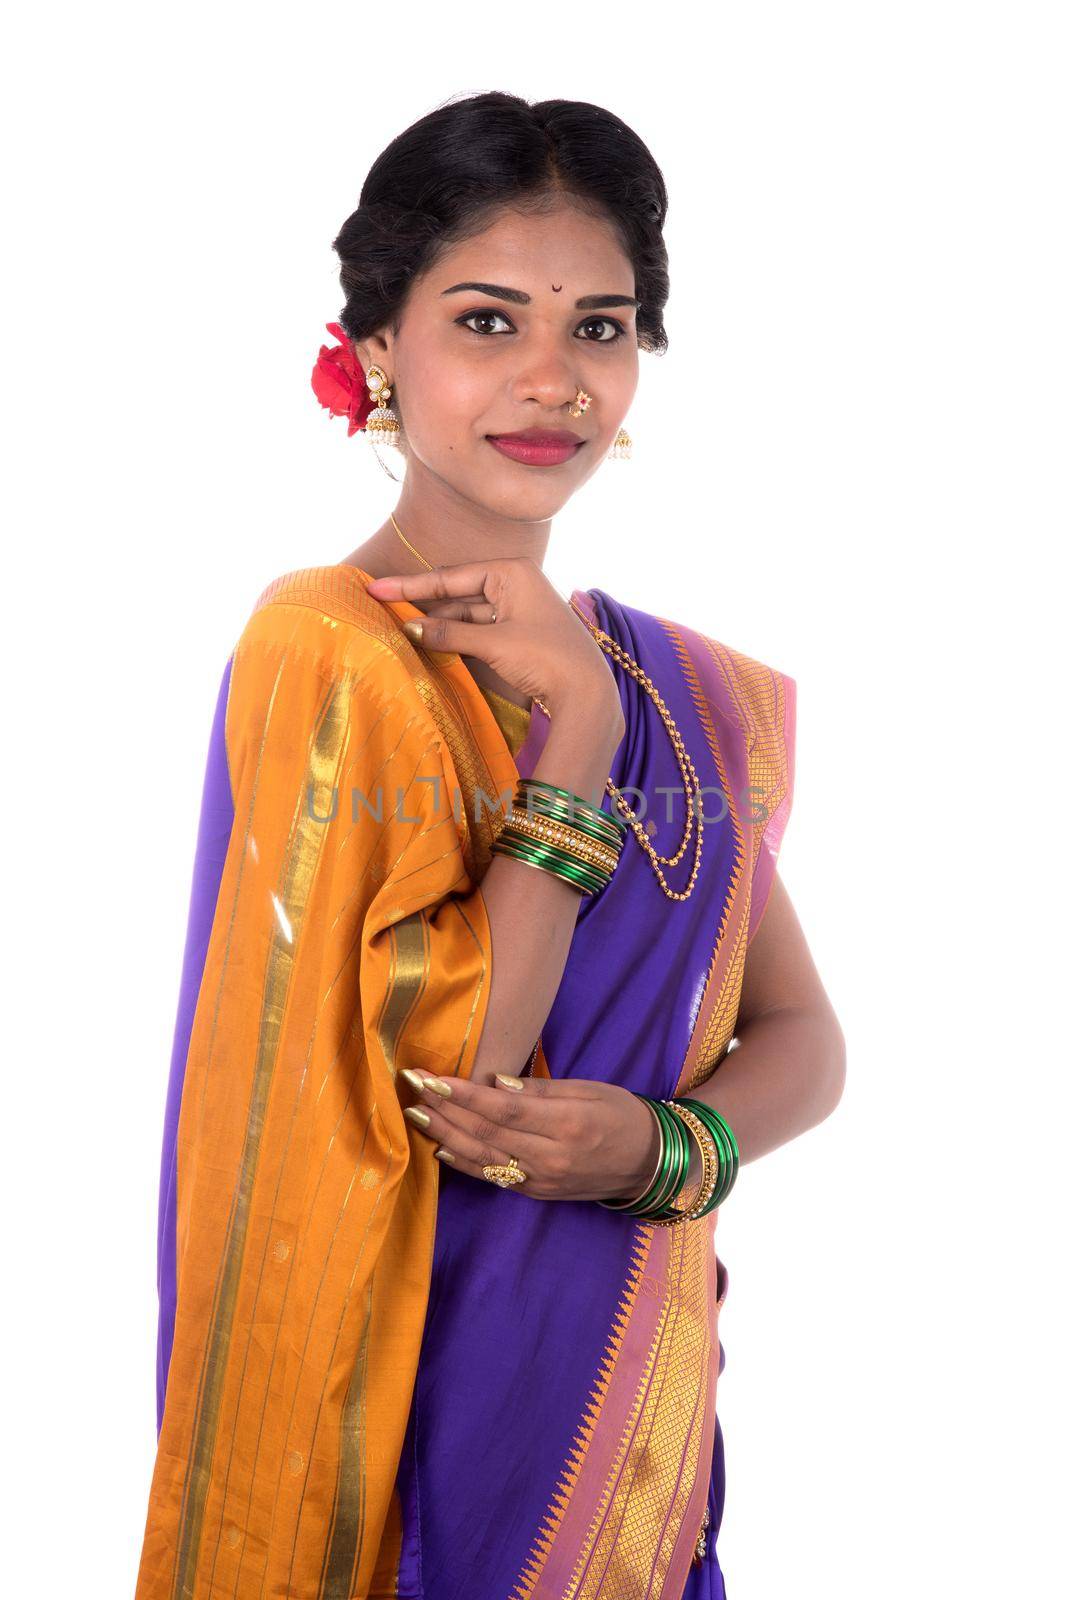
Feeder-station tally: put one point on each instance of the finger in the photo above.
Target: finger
(488, 1113)
(440, 583)
(535, 1107)
(530, 1185)
(476, 1142)
(455, 600)
(446, 634)
(536, 1089)
(477, 610)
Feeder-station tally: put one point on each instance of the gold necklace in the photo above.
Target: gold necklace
(691, 783)
(411, 547)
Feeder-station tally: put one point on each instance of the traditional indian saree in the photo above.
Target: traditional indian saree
(378, 1376)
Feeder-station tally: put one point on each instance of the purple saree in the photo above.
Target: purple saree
(562, 1443)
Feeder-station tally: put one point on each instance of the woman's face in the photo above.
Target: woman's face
(511, 355)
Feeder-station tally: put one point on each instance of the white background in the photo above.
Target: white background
(850, 464)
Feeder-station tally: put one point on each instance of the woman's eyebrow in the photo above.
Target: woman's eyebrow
(588, 302)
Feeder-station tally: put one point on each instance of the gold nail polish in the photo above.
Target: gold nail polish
(506, 1081)
(417, 1114)
(411, 1077)
(445, 1155)
(414, 630)
(438, 1086)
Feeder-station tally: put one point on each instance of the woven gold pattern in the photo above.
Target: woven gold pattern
(718, 1029)
(759, 697)
(634, 1531)
(341, 587)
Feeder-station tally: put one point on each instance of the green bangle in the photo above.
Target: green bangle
(688, 1211)
(557, 811)
(579, 884)
(718, 1188)
(565, 848)
(725, 1176)
(569, 795)
(735, 1158)
(728, 1168)
(657, 1203)
(555, 851)
(670, 1176)
(710, 1111)
(575, 804)
(560, 820)
(667, 1176)
(552, 857)
(673, 1179)
(726, 1144)
(667, 1210)
(581, 815)
(544, 850)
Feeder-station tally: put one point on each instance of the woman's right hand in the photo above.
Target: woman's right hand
(537, 644)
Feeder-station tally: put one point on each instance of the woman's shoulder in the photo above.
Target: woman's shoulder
(762, 697)
(760, 701)
(322, 614)
(752, 682)
(741, 695)
(743, 687)
(315, 650)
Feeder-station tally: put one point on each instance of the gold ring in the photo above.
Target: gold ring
(505, 1177)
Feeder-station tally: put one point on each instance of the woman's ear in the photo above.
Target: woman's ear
(374, 351)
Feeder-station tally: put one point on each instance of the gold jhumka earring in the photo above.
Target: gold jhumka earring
(383, 425)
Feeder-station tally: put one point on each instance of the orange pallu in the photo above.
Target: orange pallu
(337, 934)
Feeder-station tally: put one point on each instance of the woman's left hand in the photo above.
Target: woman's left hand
(576, 1139)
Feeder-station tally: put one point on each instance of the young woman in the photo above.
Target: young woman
(484, 892)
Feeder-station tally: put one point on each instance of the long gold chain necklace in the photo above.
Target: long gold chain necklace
(691, 783)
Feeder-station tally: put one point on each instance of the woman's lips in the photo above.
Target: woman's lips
(534, 452)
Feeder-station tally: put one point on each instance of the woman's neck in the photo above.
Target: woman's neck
(447, 533)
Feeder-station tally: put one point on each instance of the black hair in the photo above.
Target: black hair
(444, 178)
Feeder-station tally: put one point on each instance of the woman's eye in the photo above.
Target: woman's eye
(483, 316)
(605, 330)
(600, 323)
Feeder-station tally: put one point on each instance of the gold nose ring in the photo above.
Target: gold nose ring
(581, 403)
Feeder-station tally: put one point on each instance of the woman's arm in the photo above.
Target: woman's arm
(537, 644)
(581, 1140)
(532, 914)
(786, 1070)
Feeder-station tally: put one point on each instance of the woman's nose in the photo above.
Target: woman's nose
(548, 377)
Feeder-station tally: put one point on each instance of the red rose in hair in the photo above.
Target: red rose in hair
(338, 381)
